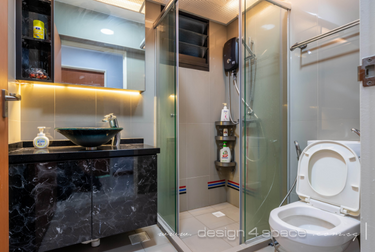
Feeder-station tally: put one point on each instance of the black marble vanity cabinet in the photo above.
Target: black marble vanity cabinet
(124, 198)
(49, 205)
(57, 204)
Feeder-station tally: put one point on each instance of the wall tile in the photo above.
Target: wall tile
(338, 94)
(233, 197)
(194, 95)
(182, 151)
(116, 103)
(197, 149)
(142, 106)
(145, 130)
(337, 129)
(183, 197)
(217, 195)
(29, 130)
(198, 195)
(75, 108)
(14, 130)
(37, 103)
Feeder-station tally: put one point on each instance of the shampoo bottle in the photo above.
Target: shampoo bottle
(225, 154)
(225, 113)
(41, 141)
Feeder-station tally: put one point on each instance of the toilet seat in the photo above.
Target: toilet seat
(324, 230)
(329, 177)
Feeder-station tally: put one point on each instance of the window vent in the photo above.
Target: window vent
(193, 45)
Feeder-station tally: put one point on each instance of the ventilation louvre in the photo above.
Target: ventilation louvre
(193, 45)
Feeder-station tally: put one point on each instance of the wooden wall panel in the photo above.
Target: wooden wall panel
(4, 202)
(57, 53)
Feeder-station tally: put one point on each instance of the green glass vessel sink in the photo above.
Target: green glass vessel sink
(89, 137)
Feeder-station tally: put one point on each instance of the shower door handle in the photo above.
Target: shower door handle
(5, 98)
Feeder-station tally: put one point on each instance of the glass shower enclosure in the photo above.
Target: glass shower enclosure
(263, 29)
(264, 113)
(166, 118)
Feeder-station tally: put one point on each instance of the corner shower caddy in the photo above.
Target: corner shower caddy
(230, 139)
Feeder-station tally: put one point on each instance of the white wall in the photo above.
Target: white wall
(323, 91)
(367, 8)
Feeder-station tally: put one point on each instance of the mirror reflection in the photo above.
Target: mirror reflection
(100, 43)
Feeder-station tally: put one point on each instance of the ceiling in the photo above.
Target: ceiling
(127, 9)
(220, 11)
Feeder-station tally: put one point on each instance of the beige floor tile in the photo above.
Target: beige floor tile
(266, 249)
(167, 247)
(231, 234)
(221, 206)
(184, 215)
(212, 222)
(190, 226)
(115, 243)
(206, 244)
(232, 212)
(156, 236)
(202, 210)
(129, 248)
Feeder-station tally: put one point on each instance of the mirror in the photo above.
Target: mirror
(100, 43)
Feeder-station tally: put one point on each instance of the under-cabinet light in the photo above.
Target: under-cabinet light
(51, 86)
(106, 90)
(130, 92)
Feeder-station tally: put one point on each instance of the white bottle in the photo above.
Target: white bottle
(225, 132)
(41, 141)
(225, 113)
(225, 154)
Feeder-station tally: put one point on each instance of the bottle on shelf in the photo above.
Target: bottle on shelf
(225, 154)
(225, 113)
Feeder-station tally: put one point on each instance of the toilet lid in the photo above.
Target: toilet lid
(329, 172)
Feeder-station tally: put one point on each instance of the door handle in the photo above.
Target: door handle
(5, 98)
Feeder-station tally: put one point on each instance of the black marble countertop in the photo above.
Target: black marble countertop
(58, 153)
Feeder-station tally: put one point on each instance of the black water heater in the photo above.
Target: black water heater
(230, 55)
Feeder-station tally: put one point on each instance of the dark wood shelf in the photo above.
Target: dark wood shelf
(220, 164)
(225, 138)
(47, 41)
(34, 79)
(32, 52)
(38, 6)
(225, 123)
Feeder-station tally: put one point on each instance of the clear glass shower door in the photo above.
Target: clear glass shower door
(265, 115)
(166, 117)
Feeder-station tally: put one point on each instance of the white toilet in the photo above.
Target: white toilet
(327, 217)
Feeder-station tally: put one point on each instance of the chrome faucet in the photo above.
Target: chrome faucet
(113, 123)
(358, 132)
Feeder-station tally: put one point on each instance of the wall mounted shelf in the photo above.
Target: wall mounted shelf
(231, 143)
(220, 164)
(34, 57)
(225, 138)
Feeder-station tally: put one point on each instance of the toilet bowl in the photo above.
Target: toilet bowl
(327, 217)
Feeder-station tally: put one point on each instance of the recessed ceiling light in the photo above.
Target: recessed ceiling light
(107, 31)
(268, 26)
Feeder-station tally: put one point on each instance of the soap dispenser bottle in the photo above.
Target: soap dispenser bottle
(225, 154)
(41, 141)
(225, 113)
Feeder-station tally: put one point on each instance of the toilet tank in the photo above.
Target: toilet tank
(354, 145)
